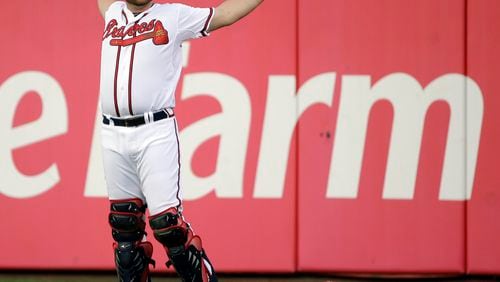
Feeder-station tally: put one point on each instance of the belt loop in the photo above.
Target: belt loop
(111, 122)
(151, 116)
(169, 112)
(146, 118)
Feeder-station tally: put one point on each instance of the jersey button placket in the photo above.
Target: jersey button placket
(123, 79)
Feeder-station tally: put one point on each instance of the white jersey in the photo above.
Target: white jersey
(141, 58)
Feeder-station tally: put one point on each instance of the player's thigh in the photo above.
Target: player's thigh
(159, 167)
(120, 173)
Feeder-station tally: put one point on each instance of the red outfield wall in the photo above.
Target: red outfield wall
(321, 136)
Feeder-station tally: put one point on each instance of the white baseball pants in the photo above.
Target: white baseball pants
(143, 162)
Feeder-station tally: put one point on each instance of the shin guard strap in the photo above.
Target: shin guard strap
(132, 261)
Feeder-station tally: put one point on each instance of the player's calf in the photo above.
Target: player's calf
(184, 249)
(132, 256)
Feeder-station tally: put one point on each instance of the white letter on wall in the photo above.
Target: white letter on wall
(410, 103)
(283, 110)
(232, 125)
(95, 184)
(52, 122)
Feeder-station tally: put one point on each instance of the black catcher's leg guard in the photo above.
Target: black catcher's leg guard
(183, 248)
(132, 257)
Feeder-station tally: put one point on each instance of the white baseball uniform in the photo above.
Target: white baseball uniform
(141, 63)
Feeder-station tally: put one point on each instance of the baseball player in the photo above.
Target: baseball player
(140, 67)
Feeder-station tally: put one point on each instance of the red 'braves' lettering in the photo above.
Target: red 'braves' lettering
(115, 31)
(159, 36)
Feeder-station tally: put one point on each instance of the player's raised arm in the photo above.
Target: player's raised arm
(103, 5)
(230, 11)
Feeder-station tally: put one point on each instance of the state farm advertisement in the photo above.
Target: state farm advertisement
(316, 136)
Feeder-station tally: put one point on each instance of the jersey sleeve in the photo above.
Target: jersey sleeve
(193, 22)
(113, 11)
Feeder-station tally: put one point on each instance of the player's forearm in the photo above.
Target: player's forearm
(231, 11)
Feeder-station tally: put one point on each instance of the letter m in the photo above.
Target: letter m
(410, 103)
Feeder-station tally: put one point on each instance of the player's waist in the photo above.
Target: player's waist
(138, 120)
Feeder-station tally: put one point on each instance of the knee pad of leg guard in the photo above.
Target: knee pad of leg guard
(183, 248)
(126, 220)
(169, 228)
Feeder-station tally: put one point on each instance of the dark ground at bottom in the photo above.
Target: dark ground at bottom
(109, 277)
